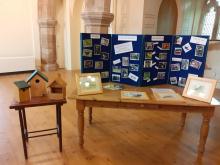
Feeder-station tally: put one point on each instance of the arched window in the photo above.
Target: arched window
(210, 19)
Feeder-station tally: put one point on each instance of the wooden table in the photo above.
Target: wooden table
(112, 99)
(35, 102)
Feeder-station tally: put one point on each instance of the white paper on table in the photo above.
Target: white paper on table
(127, 38)
(117, 61)
(133, 77)
(187, 47)
(95, 36)
(177, 59)
(198, 40)
(162, 90)
(123, 48)
(157, 38)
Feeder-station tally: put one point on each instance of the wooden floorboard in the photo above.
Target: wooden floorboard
(118, 137)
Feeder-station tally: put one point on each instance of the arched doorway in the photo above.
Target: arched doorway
(167, 17)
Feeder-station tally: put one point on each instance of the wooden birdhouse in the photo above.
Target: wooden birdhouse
(57, 88)
(37, 82)
(23, 89)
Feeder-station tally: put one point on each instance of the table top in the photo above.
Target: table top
(36, 101)
(115, 96)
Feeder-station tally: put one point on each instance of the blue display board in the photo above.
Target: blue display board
(143, 60)
(126, 59)
(157, 51)
(188, 57)
(95, 54)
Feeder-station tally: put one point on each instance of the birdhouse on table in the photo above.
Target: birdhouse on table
(57, 88)
(23, 89)
(37, 82)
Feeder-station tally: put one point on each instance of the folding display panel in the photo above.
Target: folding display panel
(126, 59)
(188, 57)
(95, 54)
(143, 60)
(157, 51)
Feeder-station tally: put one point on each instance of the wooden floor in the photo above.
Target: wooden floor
(122, 138)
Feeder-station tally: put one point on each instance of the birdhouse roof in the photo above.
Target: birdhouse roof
(57, 82)
(37, 72)
(21, 84)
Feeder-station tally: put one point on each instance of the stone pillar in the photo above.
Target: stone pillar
(47, 25)
(96, 15)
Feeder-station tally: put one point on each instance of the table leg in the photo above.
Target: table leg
(59, 122)
(25, 124)
(183, 119)
(23, 133)
(204, 133)
(90, 115)
(80, 108)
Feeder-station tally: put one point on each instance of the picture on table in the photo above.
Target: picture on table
(195, 64)
(88, 64)
(165, 46)
(104, 41)
(87, 43)
(88, 83)
(149, 45)
(185, 64)
(148, 55)
(175, 67)
(162, 56)
(201, 89)
(134, 67)
(116, 77)
(124, 73)
(148, 63)
(178, 51)
(116, 69)
(134, 95)
(97, 50)
(99, 65)
(199, 51)
(134, 56)
(87, 53)
(125, 61)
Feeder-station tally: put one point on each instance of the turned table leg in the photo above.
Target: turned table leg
(183, 119)
(80, 108)
(90, 115)
(204, 133)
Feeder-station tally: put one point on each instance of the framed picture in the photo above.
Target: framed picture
(88, 83)
(166, 94)
(134, 95)
(201, 89)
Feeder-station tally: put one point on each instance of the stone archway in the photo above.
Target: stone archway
(167, 17)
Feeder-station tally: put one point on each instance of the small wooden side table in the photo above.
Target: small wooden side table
(35, 102)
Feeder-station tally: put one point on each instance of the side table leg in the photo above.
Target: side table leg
(204, 133)
(22, 133)
(59, 120)
(80, 108)
(25, 124)
(90, 115)
(183, 119)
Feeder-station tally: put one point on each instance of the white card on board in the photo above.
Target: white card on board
(157, 38)
(123, 48)
(198, 40)
(177, 59)
(127, 38)
(117, 61)
(95, 36)
(133, 77)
